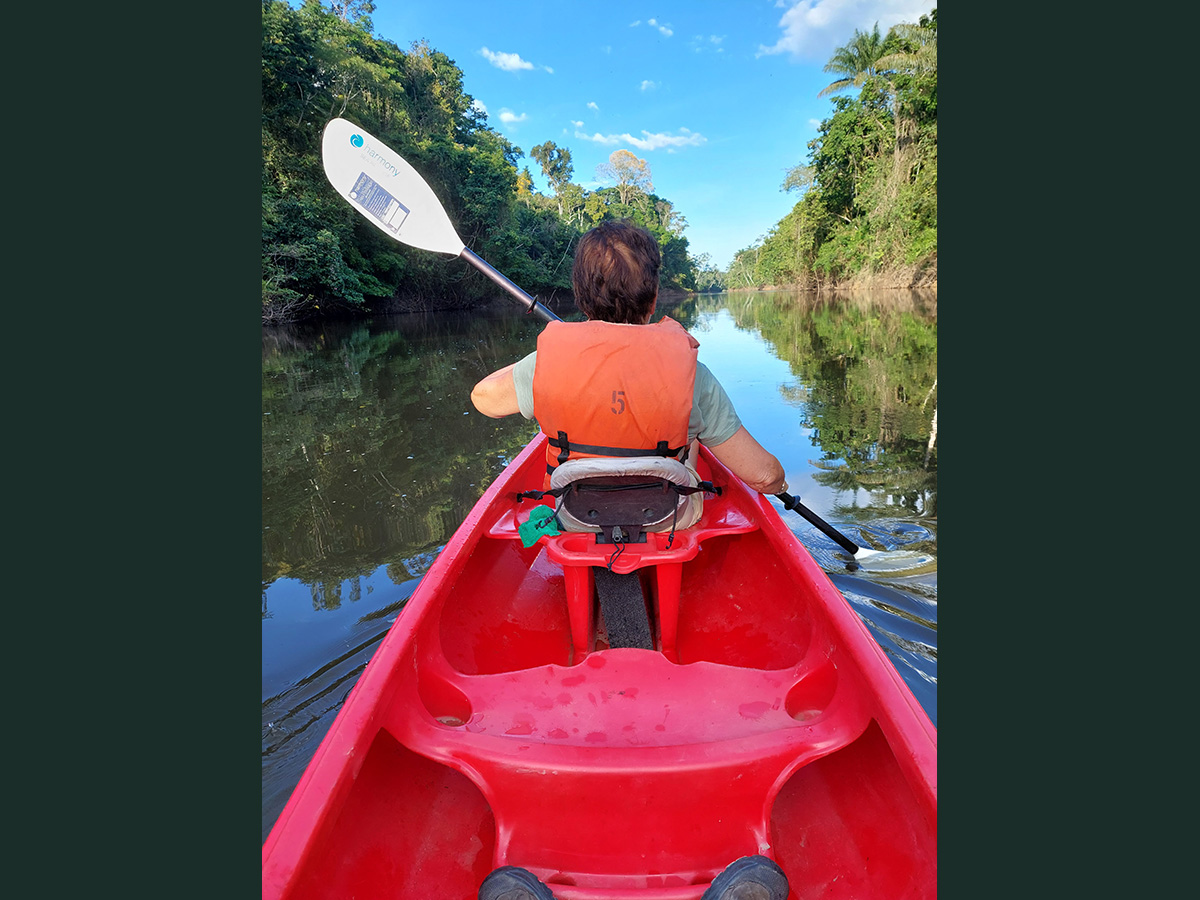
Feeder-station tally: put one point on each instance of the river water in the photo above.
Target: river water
(372, 455)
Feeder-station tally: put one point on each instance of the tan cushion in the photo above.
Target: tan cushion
(690, 506)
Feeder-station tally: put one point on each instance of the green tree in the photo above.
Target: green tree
(598, 204)
(709, 279)
(571, 204)
(668, 218)
(743, 269)
(913, 81)
(840, 154)
(556, 166)
(869, 185)
(908, 50)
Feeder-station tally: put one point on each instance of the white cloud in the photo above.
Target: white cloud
(664, 29)
(478, 104)
(508, 117)
(650, 142)
(648, 85)
(599, 138)
(509, 62)
(813, 29)
(592, 105)
(576, 124)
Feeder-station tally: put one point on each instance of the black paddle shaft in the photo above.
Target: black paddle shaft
(531, 304)
(793, 503)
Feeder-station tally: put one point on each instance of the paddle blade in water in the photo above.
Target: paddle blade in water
(387, 190)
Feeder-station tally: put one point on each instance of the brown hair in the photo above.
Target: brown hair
(615, 276)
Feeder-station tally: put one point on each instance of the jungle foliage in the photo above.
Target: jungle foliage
(366, 444)
(869, 201)
(869, 187)
(320, 258)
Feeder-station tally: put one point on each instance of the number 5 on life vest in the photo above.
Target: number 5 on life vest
(618, 402)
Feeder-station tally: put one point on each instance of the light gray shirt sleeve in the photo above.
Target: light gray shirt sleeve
(523, 379)
(713, 420)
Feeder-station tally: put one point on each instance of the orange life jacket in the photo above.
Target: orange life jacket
(606, 389)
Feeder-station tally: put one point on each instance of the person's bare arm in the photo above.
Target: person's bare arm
(496, 395)
(749, 461)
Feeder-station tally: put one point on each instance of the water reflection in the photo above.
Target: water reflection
(372, 456)
(866, 372)
(371, 450)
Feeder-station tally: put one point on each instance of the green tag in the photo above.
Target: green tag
(541, 521)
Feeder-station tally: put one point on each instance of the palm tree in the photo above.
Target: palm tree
(917, 56)
(869, 54)
(856, 61)
(919, 43)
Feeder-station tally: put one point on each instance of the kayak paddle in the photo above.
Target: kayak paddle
(793, 503)
(378, 182)
(390, 193)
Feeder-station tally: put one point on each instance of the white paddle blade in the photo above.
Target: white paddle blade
(387, 190)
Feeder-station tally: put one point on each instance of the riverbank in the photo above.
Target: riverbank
(920, 276)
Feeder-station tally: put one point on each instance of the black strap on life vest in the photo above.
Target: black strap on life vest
(702, 487)
(565, 448)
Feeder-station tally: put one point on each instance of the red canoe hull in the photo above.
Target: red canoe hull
(493, 726)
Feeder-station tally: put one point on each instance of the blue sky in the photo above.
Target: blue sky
(720, 98)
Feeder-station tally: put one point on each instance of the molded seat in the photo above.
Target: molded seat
(577, 552)
(694, 754)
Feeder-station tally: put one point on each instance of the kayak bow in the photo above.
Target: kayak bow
(495, 726)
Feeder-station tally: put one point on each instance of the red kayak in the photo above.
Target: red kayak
(497, 725)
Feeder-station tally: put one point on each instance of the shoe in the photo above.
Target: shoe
(749, 878)
(513, 883)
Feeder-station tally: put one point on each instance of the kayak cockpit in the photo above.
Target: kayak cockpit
(495, 726)
(516, 688)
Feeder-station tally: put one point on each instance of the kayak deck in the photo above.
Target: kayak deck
(495, 727)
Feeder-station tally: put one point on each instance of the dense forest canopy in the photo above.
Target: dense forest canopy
(869, 201)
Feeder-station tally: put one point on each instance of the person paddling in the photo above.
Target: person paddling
(617, 385)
